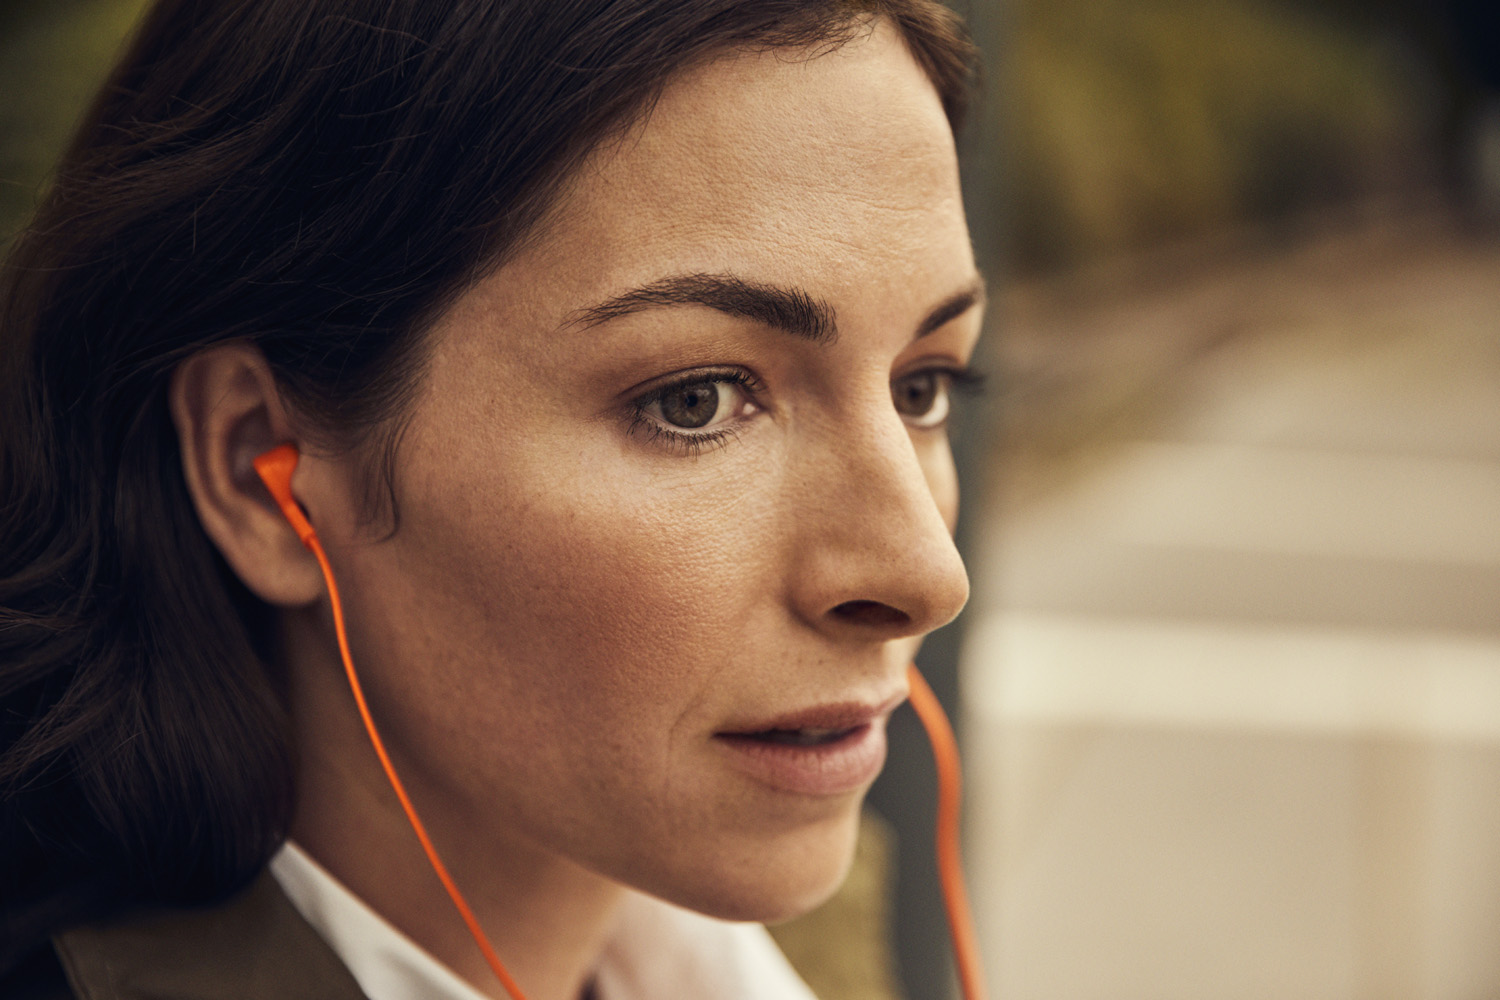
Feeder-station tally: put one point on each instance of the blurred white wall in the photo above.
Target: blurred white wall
(1233, 671)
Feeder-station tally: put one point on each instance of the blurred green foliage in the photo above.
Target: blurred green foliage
(53, 55)
(1127, 122)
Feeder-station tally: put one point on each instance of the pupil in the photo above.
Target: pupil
(915, 394)
(690, 405)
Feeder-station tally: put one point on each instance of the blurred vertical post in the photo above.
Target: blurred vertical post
(906, 793)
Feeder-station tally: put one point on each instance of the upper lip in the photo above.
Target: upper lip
(832, 716)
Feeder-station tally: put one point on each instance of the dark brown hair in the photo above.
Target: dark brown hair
(319, 178)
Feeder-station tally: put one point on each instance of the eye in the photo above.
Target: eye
(697, 405)
(922, 397)
(698, 410)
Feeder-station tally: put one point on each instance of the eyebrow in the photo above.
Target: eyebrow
(953, 307)
(788, 309)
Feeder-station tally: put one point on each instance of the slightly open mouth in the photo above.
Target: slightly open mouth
(809, 760)
(798, 737)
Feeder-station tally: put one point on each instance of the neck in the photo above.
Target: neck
(546, 917)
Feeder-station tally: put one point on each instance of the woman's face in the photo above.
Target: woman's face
(676, 497)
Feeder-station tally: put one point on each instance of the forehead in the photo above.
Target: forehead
(832, 167)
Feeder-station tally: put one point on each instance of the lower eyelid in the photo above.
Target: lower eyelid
(690, 442)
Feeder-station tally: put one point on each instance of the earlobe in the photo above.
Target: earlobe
(227, 411)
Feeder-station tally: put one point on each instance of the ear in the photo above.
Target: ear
(227, 411)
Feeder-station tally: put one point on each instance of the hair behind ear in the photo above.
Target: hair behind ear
(143, 749)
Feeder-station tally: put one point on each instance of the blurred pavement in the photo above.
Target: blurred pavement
(1232, 671)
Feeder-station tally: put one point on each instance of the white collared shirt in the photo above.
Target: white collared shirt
(660, 950)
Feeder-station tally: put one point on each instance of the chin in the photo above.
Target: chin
(774, 879)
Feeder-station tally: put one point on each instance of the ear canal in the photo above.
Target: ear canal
(275, 469)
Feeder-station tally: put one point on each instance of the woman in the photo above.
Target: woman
(616, 341)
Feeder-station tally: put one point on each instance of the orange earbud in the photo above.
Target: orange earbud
(275, 469)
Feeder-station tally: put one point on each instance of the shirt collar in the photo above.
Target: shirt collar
(658, 949)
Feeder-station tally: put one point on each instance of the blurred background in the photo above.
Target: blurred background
(1230, 680)
(1231, 675)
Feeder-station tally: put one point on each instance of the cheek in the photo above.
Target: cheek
(588, 613)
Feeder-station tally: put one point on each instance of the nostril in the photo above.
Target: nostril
(872, 613)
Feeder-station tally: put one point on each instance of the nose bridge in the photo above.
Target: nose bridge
(870, 529)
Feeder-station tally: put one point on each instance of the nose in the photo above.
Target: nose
(873, 557)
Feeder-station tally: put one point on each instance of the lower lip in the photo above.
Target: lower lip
(845, 765)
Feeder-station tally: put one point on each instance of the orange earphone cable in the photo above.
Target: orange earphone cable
(485, 948)
(275, 469)
(950, 868)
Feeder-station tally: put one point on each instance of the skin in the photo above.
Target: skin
(575, 602)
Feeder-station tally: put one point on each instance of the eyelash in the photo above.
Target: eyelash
(964, 379)
(969, 379)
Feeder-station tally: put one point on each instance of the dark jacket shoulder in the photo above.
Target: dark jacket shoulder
(255, 946)
(38, 976)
